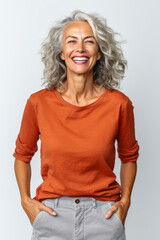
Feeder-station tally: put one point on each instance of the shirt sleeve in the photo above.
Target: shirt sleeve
(26, 142)
(127, 145)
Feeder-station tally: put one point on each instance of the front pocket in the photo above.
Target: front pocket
(119, 220)
(42, 212)
(117, 217)
(37, 218)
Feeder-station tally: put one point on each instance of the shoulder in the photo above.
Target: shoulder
(40, 93)
(119, 97)
(38, 96)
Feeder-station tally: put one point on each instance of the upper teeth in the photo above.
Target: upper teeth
(80, 59)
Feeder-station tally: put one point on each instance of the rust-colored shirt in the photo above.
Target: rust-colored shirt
(78, 143)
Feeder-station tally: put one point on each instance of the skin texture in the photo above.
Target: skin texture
(23, 176)
(80, 90)
(78, 40)
(127, 177)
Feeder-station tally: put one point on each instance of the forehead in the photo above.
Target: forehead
(78, 27)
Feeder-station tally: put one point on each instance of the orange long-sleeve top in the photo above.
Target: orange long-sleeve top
(78, 143)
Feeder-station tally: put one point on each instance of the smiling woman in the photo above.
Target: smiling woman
(73, 50)
(78, 117)
(107, 72)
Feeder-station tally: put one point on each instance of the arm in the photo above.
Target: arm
(128, 152)
(23, 176)
(26, 146)
(32, 207)
(127, 175)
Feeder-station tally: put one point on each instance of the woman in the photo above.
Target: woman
(78, 117)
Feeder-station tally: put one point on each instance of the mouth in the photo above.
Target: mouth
(80, 60)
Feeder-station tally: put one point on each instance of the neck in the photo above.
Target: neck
(79, 86)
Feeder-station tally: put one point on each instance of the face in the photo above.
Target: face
(80, 50)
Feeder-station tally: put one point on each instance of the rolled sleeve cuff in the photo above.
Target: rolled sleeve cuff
(24, 151)
(129, 154)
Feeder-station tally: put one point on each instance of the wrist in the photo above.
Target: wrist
(126, 200)
(25, 199)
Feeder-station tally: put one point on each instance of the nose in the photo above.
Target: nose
(80, 47)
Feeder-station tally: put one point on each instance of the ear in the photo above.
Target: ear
(62, 56)
(99, 55)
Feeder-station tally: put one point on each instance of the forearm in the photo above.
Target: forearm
(127, 175)
(23, 176)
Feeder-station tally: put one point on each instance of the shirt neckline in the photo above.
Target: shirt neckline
(79, 107)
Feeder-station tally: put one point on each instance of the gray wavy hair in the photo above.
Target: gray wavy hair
(107, 72)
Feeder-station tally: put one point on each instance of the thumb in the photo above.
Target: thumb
(109, 212)
(49, 210)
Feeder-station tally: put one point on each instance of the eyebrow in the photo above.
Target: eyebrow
(84, 38)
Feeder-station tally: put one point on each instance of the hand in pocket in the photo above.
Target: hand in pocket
(33, 207)
(120, 208)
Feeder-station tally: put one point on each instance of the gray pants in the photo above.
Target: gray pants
(81, 218)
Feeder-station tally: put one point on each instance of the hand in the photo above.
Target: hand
(121, 208)
(32, 208)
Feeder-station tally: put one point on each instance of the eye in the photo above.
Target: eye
(71, 41)
(90, 41)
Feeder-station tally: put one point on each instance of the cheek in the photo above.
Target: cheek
(69, 49)
(93, 51)
(65, 50)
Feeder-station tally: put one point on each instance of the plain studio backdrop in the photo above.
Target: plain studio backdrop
(24, 25)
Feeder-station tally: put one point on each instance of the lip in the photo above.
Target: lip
(81, 56)
(80, 63)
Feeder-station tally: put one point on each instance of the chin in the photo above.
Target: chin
(80, 71)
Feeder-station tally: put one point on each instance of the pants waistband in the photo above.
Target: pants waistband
(66, 201)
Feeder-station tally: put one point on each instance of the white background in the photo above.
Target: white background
(24, 24)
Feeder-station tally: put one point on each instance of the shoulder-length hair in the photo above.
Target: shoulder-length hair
(107, 72)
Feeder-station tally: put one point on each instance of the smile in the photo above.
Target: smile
(80, 60)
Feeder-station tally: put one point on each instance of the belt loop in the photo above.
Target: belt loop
(56, 202)
(94, 202)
